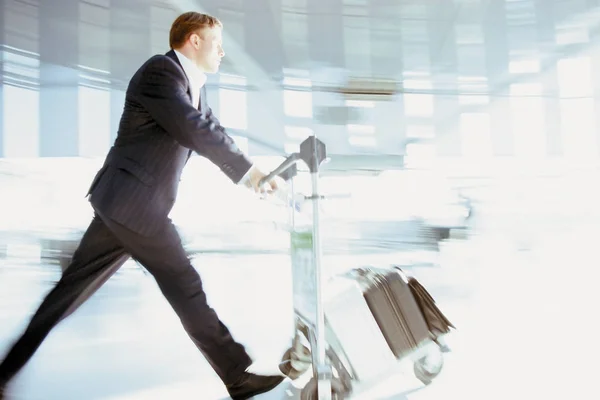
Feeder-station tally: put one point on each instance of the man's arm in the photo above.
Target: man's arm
(252, 177)
(162, 92)
(245, 180)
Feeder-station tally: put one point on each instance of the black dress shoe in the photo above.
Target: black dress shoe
(250, 385)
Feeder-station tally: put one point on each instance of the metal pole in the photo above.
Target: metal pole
(317, 253)
(323, 370)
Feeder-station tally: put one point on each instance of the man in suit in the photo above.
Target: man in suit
(165, 118)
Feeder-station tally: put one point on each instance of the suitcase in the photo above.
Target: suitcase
(395, 309)
(377, 317)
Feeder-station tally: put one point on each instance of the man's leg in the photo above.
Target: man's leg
(98, 256)
(165, 258)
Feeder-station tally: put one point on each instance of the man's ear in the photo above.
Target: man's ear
(195, 39)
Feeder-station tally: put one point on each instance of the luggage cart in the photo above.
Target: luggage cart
(333, 377)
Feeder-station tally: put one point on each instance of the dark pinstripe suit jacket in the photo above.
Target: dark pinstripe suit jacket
(160, 127)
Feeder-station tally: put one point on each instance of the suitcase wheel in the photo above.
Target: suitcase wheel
(428, 368)
(310, 391)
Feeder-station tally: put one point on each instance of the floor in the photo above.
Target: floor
(523, 301)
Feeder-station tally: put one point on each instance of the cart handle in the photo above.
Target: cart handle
(286, 170)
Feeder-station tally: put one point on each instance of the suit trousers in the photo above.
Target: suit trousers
(105, 246)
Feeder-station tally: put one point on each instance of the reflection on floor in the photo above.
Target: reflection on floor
(524, 319)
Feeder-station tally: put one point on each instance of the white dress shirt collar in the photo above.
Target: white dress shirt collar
(196, 77)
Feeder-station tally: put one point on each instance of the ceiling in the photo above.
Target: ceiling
(362, 49)
(369, 46)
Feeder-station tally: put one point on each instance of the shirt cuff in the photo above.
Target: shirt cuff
(246, 178)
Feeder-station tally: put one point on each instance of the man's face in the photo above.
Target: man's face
(210, 49)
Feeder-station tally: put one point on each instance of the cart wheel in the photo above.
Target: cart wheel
(294, 365)
(310, 391)
(429, 367)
